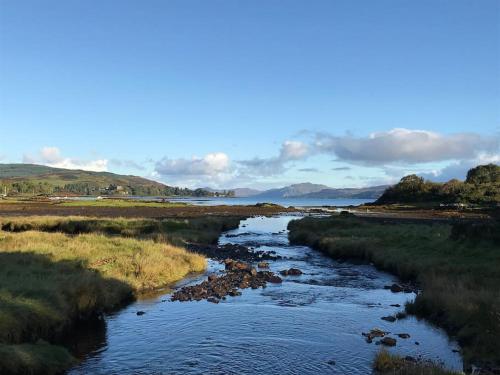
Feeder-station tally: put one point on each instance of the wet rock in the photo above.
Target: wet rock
(263, 265)
(395, 288)
(238, 275)
(388, 341)
(233, 251)
(241, 266)
(139, 313)
(404, 335)
(375, 332)
(389, 318)
(275, 280)
(291, 272)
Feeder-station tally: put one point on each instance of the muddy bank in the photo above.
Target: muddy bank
(188, 211)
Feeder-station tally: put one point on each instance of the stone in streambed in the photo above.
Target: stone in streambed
(388, 341)
(291, 272)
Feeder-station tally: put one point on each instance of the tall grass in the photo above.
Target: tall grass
(390, 364)
(460, 278)
(176, 231)
(48, 281)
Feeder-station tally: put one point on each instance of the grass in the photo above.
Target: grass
(49, 280)
(55, 271)
(459, 274)
(120, 203)
(390, 364)
(175, 231)
(40, 358)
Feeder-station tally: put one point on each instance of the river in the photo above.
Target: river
(309, 324)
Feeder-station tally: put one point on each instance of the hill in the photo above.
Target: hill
(481, 186)
(308, 190)
(372, 192)
(295, 190)
(40, 179)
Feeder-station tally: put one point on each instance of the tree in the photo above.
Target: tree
(483, 174)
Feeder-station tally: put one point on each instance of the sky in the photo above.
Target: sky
(254, 94)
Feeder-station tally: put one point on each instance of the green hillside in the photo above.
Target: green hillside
(29, 179)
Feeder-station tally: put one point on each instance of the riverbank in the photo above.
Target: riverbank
(56, 271)
(457, 268)
(390, 364)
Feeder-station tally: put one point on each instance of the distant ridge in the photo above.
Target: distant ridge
(41, 179)
(309, 190)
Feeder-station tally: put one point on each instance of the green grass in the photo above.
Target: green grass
(39, 358)
(55, 271)
(460, 277)
(389, 364)
(175, 231)
(120, 203)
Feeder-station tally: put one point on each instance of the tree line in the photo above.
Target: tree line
(481, 186)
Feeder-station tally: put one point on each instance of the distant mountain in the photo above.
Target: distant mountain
(296, 190)
(372, 192)
(40, 179)
(309, 190)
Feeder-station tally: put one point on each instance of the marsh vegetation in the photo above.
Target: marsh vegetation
(457, 267)
(56, 271)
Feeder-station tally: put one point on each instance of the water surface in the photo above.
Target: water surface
(308, 325)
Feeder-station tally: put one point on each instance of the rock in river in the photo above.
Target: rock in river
(291, 272)
(388, 341)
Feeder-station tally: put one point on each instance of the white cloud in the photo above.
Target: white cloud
(51, 156)
(289, 151)
(405, 145)
(293, 150)
(209, 165)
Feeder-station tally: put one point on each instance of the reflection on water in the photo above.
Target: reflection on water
(310, 324)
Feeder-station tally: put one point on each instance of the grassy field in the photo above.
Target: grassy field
(458, 269)
(50, 280)
(55, 271)
(389, 364)
(175, 231)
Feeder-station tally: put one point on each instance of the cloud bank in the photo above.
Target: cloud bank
(404, 146)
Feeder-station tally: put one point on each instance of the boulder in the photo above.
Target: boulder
(291, 272)
(388, 341)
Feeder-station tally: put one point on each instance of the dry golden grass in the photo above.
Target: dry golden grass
(141, 264)
(50, 280)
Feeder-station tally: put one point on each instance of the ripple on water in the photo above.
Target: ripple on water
(302, 326)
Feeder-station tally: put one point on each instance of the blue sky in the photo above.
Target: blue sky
(252, 93)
